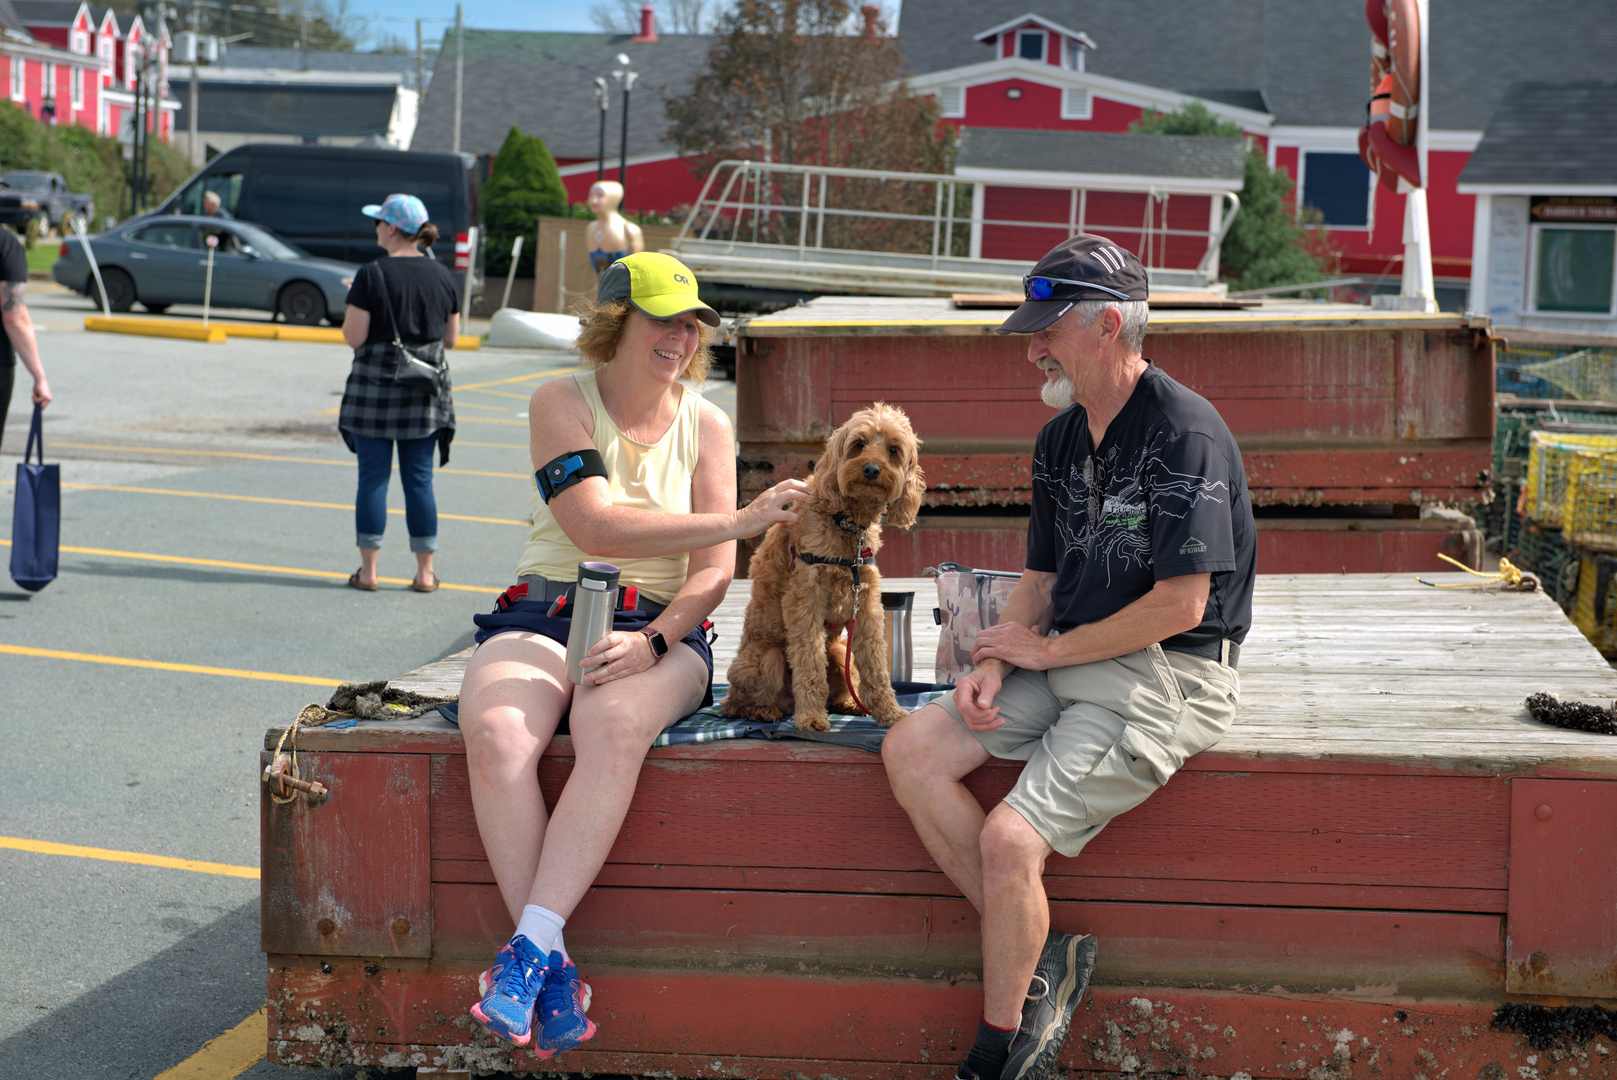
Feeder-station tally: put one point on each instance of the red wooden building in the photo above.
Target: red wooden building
(70, 62)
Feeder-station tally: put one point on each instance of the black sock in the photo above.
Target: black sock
(988, 1053)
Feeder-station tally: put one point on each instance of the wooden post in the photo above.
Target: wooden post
(561, 270)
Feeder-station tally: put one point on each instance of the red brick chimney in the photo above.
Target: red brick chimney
(648, 24)
(871, 13)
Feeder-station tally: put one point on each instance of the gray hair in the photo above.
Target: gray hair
(1135, 313)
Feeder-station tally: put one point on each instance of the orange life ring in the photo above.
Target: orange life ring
(1403, 43)
(1390, 160)
(1381, 101)
(1375, 13)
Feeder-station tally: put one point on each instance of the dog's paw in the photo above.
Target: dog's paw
(763, 714)
(887, 717)
(813, 723)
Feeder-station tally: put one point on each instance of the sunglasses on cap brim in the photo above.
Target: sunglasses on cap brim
(1035, 287)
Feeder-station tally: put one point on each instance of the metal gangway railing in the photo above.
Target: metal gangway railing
(901, 233)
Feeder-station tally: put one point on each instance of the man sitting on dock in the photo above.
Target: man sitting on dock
(1115, 660)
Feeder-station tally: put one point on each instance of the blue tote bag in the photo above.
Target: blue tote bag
(36, 521)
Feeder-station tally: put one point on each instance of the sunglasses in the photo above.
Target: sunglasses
(1044, 288)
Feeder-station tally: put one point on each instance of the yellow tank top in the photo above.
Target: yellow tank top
(647, 476)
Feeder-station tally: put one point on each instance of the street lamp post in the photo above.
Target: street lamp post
(627, 78)
(604, 99)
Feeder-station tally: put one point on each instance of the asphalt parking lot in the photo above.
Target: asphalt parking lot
(206, 541)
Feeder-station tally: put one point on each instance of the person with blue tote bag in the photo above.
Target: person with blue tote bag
(36, 520)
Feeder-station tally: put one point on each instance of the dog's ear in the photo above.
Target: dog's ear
(901, 511)
(824, 477)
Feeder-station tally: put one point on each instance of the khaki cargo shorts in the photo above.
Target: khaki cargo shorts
(1099, 738)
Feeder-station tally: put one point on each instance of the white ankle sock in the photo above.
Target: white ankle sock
(541, 926)
(561, 947)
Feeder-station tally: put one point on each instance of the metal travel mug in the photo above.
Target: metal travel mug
(896, 610)
(595, 599)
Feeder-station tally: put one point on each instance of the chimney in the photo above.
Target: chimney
(648, 24)
(871, 13)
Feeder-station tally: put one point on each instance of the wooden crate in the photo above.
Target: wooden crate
(1380, 851)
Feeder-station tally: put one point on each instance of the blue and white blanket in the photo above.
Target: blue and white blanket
(708, 726)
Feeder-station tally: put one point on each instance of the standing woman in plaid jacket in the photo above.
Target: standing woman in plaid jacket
(378, 411)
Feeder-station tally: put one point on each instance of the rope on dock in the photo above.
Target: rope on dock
(1510, 578)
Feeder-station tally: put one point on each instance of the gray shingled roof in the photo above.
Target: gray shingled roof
(278, 109)
(262, 56)
(44, 12)
(1185, 157)
(543, 83)
(1549, 133)
(1309, 58)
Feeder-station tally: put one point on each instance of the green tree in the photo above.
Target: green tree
(523, 184)
(1270, 242)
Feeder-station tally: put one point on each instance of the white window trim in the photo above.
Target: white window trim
(76, 92)
(1535, 230)
(1302, 178)
(943, 108)
(1044, 46)
(19, 78)
(1088, 111)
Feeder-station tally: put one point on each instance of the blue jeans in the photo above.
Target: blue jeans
(415, 471)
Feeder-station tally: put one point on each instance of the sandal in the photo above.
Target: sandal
(355, 583)
(415, 584)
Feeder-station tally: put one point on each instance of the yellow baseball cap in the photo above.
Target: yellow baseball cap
(659, 285)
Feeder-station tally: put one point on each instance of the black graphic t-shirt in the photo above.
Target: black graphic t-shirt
(1163, 495)
(13, 269)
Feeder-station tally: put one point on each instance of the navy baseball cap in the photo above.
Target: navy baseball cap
(1083, 268)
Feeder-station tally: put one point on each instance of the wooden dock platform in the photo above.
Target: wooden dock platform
(1383, 849)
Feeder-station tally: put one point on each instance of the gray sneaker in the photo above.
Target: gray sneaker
(1059, 982)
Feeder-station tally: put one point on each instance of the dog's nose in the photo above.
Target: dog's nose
(872, 471)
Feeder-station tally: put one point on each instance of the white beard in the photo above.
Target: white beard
(1057, 394)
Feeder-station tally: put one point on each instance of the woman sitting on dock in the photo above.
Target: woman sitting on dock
(636, 469)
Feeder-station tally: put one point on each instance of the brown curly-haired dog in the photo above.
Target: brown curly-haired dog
(792, 653)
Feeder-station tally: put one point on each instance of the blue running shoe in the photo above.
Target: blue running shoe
(561, 1009)
(507, 1006)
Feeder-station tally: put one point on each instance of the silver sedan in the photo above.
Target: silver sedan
(161, 261)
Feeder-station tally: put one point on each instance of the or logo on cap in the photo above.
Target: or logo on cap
(682, 279)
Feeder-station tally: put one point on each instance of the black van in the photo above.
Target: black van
(312, 195)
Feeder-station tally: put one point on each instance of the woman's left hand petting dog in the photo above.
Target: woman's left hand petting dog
(811, 577)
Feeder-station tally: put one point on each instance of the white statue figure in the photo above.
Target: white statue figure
(612, 236)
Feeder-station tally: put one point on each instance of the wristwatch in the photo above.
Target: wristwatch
(658, 645)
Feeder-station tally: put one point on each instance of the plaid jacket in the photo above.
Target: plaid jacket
(375, 407)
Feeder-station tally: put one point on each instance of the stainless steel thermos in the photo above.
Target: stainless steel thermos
(595, 598)
(896, 609)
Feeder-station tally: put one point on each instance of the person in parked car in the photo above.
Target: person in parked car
(378, 412)
(18, 341)
(213, 206)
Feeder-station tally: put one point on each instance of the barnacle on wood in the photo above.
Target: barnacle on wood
(1549, 709)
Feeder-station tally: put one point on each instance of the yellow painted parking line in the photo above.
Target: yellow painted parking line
(164, 665)
(551, 374)
(198, 453)
(46, 847)
(480, 405)
(497, 393)
(228, 1056)
(475, 420)
(494, 445)
(185, 560)
(276, 457)
(287, 502)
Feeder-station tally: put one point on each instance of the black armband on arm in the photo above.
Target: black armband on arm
(563, 472)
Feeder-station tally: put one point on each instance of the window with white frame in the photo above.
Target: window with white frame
(1075, 103)
(106, 56)
(78, 87)
(1574, 269)
(19, 86)
(952, 101)
(50, 81)
(1030, 44)
(81, 42)
(1338, 185)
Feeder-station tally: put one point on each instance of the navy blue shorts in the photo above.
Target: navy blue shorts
(531, 615)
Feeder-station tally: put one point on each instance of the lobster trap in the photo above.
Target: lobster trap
(1549, 457)
(1594, 609)
(1589, 507)
(1546, 554)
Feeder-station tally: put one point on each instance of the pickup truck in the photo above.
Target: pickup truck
(41, 196)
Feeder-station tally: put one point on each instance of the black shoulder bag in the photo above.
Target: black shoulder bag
(419, 367)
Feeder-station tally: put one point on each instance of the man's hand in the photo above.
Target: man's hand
(1014, 644)
(974, 697)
